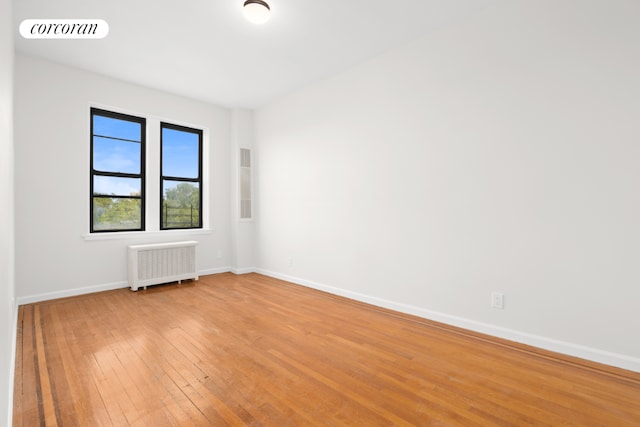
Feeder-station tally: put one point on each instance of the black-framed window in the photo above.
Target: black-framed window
(117, 171)
(180, 177)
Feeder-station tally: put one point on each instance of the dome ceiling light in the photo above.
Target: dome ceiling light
(257, 11)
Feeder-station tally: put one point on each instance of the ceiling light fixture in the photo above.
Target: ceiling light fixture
(257, 11)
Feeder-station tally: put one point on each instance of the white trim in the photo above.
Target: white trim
(567, 348)
(217, 270)
(12, 362)
(151, 190)
(29, 299)
(244, 270)
(127, 235)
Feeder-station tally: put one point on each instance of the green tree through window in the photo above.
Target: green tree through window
(117, 171)
(181, 177)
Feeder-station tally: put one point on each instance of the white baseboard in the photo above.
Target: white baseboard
(214, 271)
(71, 292)
(12, 362)
(244, 270)
(234, 270)
(567, 348)
(29, 299)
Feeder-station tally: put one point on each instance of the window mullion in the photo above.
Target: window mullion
(180, 196)
(117, 174)
(109, 211)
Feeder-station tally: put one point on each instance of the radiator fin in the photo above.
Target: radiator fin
(161, 263)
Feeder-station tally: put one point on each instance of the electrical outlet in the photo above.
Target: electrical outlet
(290, 262)
(497, 300)
(219, 253)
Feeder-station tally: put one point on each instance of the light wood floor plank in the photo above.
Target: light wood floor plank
(253, 350)
(48, 401)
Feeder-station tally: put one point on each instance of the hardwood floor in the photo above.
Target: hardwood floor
(252, 350)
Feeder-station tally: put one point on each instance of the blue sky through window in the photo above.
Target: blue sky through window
(179, 153)
(116, 186)
(116, 155)
(112, 155)
(115, 128)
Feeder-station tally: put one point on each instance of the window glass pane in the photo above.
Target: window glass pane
(180, 153)
(113, 186)
(113, 155)
(180, 204)
(112, 213)
(116, 128)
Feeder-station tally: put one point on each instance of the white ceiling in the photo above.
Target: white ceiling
(204, 49)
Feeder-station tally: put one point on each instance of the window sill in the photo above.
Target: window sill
(128, 235)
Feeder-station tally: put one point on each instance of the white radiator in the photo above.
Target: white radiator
(161, 263)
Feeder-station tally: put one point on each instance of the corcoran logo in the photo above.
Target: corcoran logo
(64, 29)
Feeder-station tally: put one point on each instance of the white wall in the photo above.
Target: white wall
(52, 178)
(500, 154)
(242, 231)
(7, 283)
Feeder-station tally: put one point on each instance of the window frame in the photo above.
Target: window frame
(199, 179)
(142, 121)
